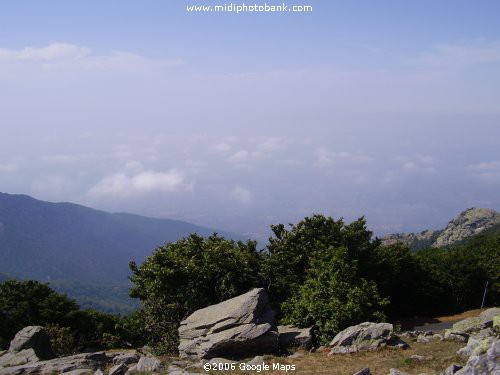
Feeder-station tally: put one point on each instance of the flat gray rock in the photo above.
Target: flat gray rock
(364, 336)
(18, 358)
(149, 364)
(85, 361)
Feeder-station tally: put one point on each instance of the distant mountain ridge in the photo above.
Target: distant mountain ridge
(68, 242)
(467, 224)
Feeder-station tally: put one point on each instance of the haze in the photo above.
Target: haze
(238, 121)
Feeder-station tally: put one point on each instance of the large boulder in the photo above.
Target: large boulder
(238, 327)
(33, 337)
(362, 337)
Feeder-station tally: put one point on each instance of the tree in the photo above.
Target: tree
(398, 276)
(184, 276)
(333, 297)
(29, 302)
(291, 251)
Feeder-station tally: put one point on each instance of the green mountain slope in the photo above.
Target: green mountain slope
(77, 248)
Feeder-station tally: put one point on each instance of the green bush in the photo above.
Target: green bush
(333, 297)
(187, 275)
(62, 339)
(29, 302)
(291, 252)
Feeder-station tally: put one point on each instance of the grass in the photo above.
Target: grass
(380, 362)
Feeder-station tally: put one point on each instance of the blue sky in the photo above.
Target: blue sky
(237, 121)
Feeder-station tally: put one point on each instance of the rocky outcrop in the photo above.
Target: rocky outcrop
(472, 325)
(295, 337)
(483, 345)
(33, 337)
(149, 364)
(239, 327)
(18, 358)
(488, 316)
(469, 223)
(414, 240)
(363, 337)
(86, 361)
(128, 362)
(484, 359)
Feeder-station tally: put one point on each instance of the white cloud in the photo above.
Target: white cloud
(8, 167)
(52, 184)
(220, 148)
(487, 166)
(487, 171)
(123, 185)
(271, 145)
(325, 157)
(52, 52)
(241, 194)
(463, 54)
(68, 158)
(244, 156)
(417, 164)
(57, 56)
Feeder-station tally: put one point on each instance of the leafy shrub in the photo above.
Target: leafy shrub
(62, 339)
(333, 297)
(29, 302)
(187, 275)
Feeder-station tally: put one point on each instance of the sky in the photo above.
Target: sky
(383, 109)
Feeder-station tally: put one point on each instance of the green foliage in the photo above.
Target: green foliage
(62, 339)
(131, 329)
(455, 277)
(24, 303)
(291, 251)
(187, 275)
(333, 297)
(396, 272)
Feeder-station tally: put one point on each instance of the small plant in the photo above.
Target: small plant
(62, 339)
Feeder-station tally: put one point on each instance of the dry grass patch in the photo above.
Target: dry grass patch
(379, 362)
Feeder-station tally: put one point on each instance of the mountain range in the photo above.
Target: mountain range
(85, 252)
(79, 250)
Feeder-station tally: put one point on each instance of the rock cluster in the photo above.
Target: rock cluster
(483, 344)
(30, 348)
